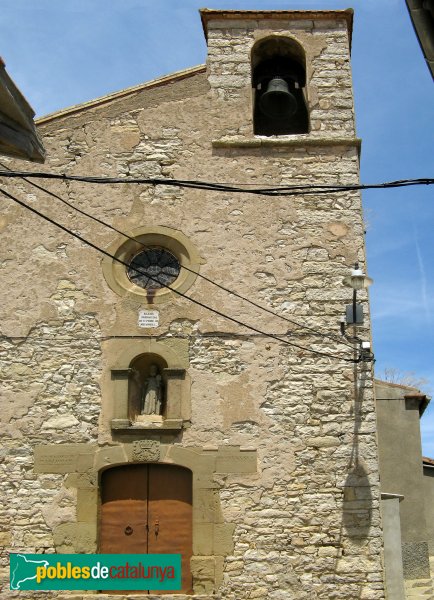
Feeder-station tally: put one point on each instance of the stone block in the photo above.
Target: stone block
(203, 572)
(87, 505)
(200, 464)
(60, 422)
(61, 458)
(81, 480)
(203, 538)
(219, 565)
(75, 538)
(323, 442)
(110, 455)
(85, 461)
(205, 481)
(206, 506)
(223, 538)
(5, 538)
(71, 480)
(235, 460)
(120, 423)
(333, 551)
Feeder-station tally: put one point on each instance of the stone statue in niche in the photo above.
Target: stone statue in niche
(152, 394)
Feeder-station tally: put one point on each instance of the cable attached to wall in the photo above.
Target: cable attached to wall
(285, 190)
(197, 302)
(218, 285)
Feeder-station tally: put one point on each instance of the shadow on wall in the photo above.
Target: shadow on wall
(357, 502)
(357, 497)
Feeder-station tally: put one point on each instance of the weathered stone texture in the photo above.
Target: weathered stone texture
(305, 525)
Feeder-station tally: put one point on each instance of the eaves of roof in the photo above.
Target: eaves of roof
(385, 390)
(422, 16)
(18, 136)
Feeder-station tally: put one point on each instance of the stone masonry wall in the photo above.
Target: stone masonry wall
(306, 524)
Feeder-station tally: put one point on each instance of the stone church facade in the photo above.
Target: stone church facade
(271, 440)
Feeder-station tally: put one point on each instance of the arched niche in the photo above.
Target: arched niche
(131, 372)
(146, 370)
(279, 87)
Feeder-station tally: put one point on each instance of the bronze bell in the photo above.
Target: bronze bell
(278, 102)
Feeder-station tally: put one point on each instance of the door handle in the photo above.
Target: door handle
(128, 530)
(157, 527)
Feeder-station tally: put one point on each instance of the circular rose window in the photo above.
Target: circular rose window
(153, 268)
(151, 260)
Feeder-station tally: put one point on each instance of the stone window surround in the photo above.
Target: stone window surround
(124, 249)
(212, 536)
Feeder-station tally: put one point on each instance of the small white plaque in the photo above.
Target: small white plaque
(149, 318)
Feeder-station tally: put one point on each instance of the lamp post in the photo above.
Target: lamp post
(358, 281)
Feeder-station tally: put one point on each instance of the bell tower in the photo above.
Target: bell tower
(281, 72)
(281, 105)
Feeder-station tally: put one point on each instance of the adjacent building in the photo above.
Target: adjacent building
(407, 488)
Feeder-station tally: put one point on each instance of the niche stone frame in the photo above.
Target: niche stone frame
(128, 374)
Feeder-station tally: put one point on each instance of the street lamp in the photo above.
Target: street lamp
(358, 281)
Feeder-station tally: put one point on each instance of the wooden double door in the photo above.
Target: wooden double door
(147, 509)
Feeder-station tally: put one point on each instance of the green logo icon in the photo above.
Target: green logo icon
(95, 572)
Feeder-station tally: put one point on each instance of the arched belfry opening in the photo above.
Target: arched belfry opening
(279, 87)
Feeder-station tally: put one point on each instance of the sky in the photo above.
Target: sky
(61, 53)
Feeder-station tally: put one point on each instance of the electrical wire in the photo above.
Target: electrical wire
(218, 285)
(105, 338)
(285, 190)
(197, 302)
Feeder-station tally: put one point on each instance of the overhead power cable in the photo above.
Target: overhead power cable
(194, 301)
(283, 190)
(218, 285)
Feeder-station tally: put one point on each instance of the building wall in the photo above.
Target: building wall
(401, 471)
(428, 492)
(281, 441)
